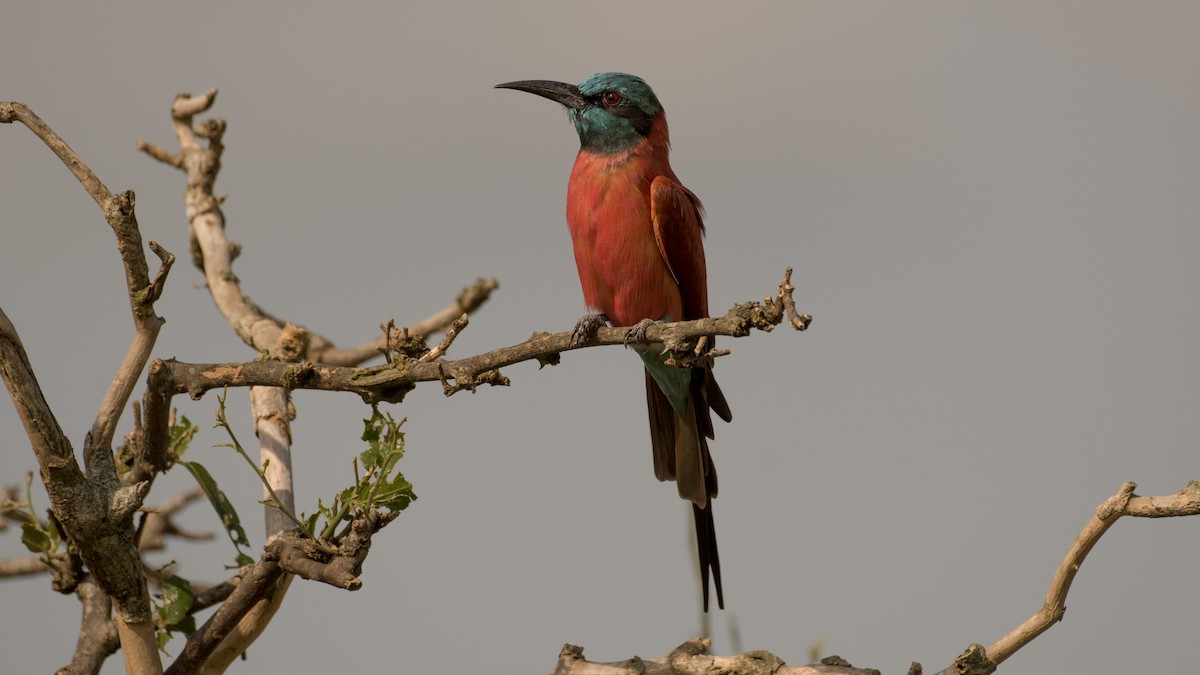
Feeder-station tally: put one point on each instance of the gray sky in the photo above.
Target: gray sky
(991, 208)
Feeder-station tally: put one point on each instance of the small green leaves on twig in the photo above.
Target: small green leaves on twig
(379, 491)
(180, 438)
(174, 613)
(43, 538)
(273, 500)
(319, 551)
(374, 485)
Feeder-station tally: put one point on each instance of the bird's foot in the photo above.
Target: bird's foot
(586, 327)
(637, 332)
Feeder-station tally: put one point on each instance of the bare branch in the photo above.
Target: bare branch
(186, 105)
(161, 154)
(693, 657)
(254, 326)
(118, 211)
(248, 628)
(797, 321)
(24, 566)
(50, 445)
(272, 413)
(390, 382)
(158, 523)
(469, 300)
(19, 112)
(300, 555)
(451, 333)
(142, 294)
(97, 633)
(977, 660)
(258, 581)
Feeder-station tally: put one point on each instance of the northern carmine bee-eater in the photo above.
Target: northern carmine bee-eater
(637, 237)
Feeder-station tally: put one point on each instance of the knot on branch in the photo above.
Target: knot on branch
(1118, 504)
(974, 661)
(551, 359)
(400, 344)
(339, 566)
(291, 343)
(465, 379)
(127, 499)
(120, 207)
(8, 111)
(211, 129)
(471, 297)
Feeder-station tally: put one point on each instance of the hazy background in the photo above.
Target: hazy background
(991, 208)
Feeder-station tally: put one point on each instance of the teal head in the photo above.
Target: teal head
(611, 111)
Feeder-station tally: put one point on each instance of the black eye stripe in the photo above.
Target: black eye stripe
(623, 107)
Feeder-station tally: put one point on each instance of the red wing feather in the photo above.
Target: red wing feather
(679, 228)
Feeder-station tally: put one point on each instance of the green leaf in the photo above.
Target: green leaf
(181, 437)
(177, 600)
(36, 538)
(395, 495)
(223, 507)
(163, 637)
(310, 524)
(371, 429)
(187, 626)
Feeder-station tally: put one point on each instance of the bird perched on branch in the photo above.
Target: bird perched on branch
(637, 234)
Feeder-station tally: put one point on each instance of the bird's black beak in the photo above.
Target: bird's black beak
(566, 94)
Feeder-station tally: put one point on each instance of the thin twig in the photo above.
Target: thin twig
(448, 339)
(223, 423)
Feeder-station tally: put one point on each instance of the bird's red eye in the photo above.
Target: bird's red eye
(611, 98)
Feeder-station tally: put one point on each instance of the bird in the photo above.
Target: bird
(637, 235)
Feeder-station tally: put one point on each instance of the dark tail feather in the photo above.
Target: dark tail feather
(706, 547)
